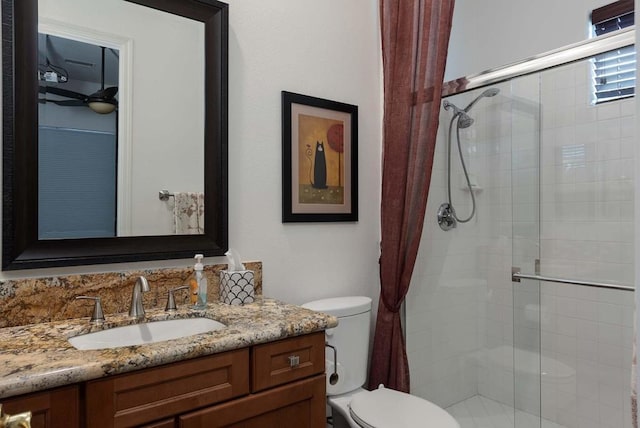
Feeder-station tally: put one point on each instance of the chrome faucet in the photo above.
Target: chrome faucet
(137, 309)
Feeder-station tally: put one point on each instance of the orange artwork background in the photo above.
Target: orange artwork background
(312, 129)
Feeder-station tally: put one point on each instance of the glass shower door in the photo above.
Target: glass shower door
(573, 329)
(552, 174)
(525, 229)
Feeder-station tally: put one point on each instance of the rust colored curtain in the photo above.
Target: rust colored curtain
(415, 38)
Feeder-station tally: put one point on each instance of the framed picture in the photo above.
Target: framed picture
(319, 159)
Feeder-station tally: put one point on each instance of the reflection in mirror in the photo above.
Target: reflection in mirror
(160, 140)
(163, 99)
(77, 139)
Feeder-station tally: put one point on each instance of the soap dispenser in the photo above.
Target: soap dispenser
(201, 281)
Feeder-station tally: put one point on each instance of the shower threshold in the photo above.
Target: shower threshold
(482, 412)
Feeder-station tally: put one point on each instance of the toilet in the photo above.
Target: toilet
(351, 405)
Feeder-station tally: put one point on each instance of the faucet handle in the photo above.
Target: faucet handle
(171, 300)
(97, 316)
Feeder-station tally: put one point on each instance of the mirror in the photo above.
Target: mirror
(78, 145)
(201, 136)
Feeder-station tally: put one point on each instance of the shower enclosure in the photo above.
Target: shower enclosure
(552, 176)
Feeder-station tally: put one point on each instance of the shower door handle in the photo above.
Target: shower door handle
(516, 276)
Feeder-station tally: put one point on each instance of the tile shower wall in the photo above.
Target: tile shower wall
(587, 188)
(569, 166)
(447, 302)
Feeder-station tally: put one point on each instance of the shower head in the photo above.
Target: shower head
(464, 120)
(491, 92)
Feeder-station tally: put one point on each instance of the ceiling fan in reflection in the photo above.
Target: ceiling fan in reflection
(102, 101)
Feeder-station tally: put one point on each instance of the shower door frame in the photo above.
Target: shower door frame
(561, 56)
(545, 61)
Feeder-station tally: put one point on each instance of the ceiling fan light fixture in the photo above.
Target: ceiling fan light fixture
(102, 101)
(102, 106)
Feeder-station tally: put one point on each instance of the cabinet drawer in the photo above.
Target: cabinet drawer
(297, 405)
(287, 360)
(148, 395)
(167, 423)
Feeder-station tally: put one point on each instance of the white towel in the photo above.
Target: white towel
(188, 213)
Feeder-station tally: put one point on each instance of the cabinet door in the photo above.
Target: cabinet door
(297, 405)
(50, 409)
(144, 396)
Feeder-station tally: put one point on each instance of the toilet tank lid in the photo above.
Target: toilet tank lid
(341, 306)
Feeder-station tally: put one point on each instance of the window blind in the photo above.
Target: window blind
(614, 71)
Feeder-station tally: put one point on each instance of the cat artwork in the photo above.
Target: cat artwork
(319, 168)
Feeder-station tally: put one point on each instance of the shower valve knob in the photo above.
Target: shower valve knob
(446, 220)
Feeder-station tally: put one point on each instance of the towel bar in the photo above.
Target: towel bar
(164, 195)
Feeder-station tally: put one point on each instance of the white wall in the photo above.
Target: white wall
(304, 47)
(488, 34)
(328, 49)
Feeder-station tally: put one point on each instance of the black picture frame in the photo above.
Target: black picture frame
(319, 159)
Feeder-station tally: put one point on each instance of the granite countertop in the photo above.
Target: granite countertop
(38, 356)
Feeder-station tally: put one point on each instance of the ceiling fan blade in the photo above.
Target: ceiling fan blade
(64, 103)
(65, 93)
(110, 92)
(105, 94)
(70, 103)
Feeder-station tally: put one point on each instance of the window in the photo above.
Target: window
(614, 71)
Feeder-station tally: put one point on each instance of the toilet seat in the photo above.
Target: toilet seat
(387, 408)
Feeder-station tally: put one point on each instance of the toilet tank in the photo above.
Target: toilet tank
(350, 338)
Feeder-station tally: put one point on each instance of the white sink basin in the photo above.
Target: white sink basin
(140, 334)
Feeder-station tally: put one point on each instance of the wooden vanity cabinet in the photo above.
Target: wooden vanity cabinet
(274, 385)
(141, 397)
(279, 384)
(54, 408)
(287, 389)
(297, 405)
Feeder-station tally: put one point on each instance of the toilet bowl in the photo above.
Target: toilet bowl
(346, 356)
(386, 408)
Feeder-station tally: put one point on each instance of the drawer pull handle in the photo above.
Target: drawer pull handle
(294, 361)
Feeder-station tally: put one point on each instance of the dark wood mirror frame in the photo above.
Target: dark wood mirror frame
(21, 248)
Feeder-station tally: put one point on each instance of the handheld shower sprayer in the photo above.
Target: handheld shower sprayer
(447, 218)
(491, 92)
